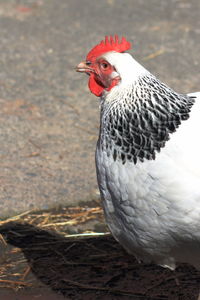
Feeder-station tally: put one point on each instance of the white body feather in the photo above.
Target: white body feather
(153, 207)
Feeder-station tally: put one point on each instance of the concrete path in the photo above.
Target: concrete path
(48, 118)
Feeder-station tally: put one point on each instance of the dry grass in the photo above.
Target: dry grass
(14, 270)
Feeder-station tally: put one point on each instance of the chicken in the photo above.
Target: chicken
(147, 157)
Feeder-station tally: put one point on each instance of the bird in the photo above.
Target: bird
(147, 157)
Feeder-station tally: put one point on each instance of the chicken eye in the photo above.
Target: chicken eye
(104, 65)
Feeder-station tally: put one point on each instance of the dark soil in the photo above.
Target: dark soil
(96, 267)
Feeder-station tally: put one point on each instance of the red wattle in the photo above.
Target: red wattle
(94, 87)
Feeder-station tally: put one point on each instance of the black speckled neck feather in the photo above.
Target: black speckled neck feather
(138, 123)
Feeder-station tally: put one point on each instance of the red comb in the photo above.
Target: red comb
(112, 44)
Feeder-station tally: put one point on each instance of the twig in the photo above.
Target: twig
(27, 271)
(163, 280)
(70, 222)
(15, 282)
(3, 240)
(89, 287)
(91, 234)
(84, 129)
(15, 217)
(35, 144)
(153, 55)
(75, 109)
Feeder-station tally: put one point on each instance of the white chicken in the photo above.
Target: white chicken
(147, 157)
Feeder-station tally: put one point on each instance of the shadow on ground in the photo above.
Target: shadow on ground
(97, 267)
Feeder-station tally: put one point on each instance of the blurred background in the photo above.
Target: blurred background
(48, 118)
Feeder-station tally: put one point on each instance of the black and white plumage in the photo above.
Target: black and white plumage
(148, 162)
(133, 129)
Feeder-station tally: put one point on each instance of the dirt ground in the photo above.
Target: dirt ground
(43, 261)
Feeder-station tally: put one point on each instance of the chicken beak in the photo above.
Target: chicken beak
(82, 67)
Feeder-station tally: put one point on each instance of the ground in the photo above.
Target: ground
(49, 120)
(43, 262)
(49, 126)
